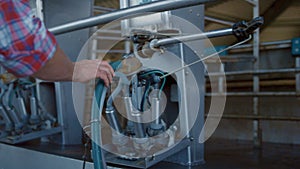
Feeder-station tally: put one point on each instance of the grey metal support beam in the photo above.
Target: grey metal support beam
(274, 11)
(257, 133)
(158, 6)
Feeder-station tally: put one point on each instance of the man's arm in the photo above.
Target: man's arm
(61, 68)
(27, 48)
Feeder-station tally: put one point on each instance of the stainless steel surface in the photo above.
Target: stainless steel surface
(113, 121)
(136, 117)
(193, 37)
(59, 109)
(187, 125)
(156, 110)
(158, 6)
(183, 100)
(33, 109)
(11, 112)
(22, 108)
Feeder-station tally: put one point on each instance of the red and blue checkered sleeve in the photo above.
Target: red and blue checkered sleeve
(25, 44)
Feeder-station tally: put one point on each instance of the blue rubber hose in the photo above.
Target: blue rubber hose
(97, 107)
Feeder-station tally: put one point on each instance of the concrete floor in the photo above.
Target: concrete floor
(219, 154)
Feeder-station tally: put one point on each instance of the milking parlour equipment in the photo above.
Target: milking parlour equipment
(153, 110)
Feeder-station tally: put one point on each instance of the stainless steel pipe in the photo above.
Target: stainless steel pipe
(158, 6)
(204, 35)
(253, 94)
(256, 117)
(251, 72)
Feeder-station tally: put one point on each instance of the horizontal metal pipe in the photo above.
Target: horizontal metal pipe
(263, 46)
(252, 94)
(258, 117)
(220, 21)
(259, 72)
(158, 6)
(262, 83)
(110, 51)
(193, 37)
(276, 42)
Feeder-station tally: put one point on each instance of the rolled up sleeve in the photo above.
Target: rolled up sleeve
(25, 44)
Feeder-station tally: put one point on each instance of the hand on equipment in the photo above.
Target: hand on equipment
(86, 70)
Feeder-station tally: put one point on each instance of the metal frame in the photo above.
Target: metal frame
(256, 72)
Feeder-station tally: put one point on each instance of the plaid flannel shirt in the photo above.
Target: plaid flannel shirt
(25, 44)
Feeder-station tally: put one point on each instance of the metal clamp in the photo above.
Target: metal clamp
(242, 30)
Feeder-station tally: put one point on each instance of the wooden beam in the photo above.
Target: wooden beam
(214, 3)
(274, 11)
